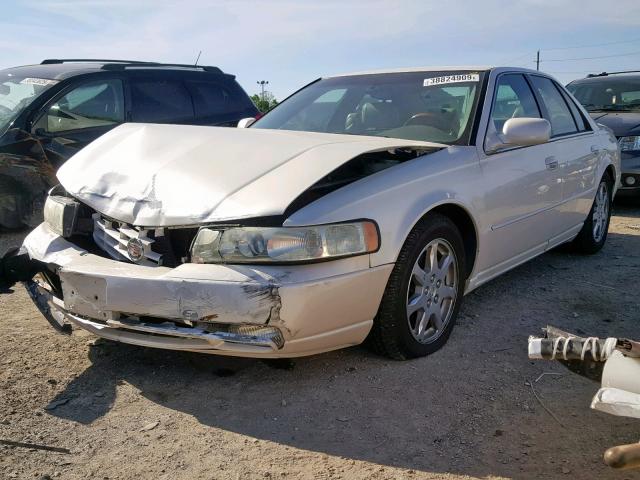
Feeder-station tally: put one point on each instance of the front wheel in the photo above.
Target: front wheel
(424, 292)
(593, 235)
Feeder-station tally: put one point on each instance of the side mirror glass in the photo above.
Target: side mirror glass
(246, 122)
(520, 132)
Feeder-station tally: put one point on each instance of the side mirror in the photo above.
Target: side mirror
(520, 132)
(246, 122)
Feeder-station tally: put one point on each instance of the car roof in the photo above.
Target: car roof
(474, 68)
(607, 77)
(54, 69)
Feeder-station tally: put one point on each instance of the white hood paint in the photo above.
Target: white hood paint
(164, 175)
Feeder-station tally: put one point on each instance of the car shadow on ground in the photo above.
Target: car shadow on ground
(627, 206)
(468, 409)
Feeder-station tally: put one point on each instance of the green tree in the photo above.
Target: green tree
(264, 104)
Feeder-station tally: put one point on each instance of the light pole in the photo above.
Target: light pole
(262, 83)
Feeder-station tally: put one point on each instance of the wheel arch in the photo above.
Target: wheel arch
(464, 221)
(610, 170)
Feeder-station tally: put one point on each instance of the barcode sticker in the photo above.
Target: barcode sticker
(38, 81)
(457, 78)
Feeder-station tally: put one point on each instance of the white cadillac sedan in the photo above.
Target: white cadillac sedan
(363, 207)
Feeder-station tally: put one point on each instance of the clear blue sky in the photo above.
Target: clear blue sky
(291, 42)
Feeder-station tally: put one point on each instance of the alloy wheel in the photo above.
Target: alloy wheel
(432, 291)
(600, 212)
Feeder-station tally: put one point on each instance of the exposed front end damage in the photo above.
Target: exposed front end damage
(120, 245)
(266, 312)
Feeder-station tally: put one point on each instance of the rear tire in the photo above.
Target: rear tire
(593, 234)
(424, 292)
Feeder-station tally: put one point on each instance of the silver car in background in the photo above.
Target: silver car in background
(364, 206)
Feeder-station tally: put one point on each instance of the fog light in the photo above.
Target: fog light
(630, 181)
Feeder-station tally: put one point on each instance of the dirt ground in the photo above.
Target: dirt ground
(466, 412)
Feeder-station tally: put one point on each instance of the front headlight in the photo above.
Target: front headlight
(629, 143)
(61, 214)
(284, 244)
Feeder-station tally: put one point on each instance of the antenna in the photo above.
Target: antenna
(198, 57)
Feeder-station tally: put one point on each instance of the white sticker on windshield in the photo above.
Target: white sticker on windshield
(457, 78)
(38, 81)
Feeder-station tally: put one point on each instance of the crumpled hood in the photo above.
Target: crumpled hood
(168, 175)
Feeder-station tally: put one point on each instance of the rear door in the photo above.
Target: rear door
(160, 99)
(574, 146)
(523, 185)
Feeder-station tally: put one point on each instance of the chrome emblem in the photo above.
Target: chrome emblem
(135, 249)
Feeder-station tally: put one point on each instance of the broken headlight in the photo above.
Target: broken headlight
(285, 244)
(61, 214)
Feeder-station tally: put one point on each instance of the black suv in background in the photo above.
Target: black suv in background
(613, 100)
(50, 111)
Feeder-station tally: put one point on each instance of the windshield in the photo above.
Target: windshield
(16, 93)
(619, 95)
(428, 106)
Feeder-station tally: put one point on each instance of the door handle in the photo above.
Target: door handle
(551, 163)
(595, 149)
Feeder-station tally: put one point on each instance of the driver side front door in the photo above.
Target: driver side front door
(523, 185)
(80, 115)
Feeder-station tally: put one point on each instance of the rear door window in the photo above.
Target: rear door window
(558, 113)
(160, 101)
(95, 104)
(582, 123)
(219, 101)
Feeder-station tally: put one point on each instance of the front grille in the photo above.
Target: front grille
(167, 247)
(114, 237)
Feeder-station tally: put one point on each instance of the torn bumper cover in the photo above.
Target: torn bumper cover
(270, 311)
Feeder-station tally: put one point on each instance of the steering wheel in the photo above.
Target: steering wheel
(428, 119)
(424, 118)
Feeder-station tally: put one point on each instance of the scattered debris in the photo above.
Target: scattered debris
(35, 446)
(548, 373)
(149, 426)
(535, 394)
(57, 403)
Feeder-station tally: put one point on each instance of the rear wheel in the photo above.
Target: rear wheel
(593, 235)
(424, 292)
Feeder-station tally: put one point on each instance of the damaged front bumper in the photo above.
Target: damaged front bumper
(270, 311)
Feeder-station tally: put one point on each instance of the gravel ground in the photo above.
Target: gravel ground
(466, 412)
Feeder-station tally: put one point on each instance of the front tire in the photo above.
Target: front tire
(593, 234)
(424, 292)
